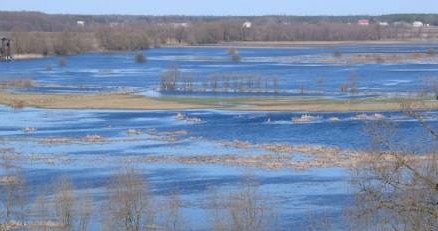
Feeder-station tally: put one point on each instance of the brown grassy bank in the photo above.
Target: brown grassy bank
(100, 101)
(126, 101)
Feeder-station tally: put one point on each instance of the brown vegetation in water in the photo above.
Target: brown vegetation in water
(17, 83)
(381, 57)
(282, 156)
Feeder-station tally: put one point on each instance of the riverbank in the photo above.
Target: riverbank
(358, 58)
(28, 56)
(286, 44)
(127, 101)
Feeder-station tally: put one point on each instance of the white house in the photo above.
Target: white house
(417, 24)
(80, 23)
(383, 24)
(247, 25)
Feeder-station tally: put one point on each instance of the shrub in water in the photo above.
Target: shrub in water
(234, 54)
(62, 62)
(431, 52)
(140, 57)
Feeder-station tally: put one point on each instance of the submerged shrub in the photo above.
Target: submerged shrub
(431, 52)
(234, 54)
(62, 62)
(17, 104)
(232, 51)
(235, 58)
(140, 57)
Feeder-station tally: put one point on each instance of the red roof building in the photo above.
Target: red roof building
(363, 22)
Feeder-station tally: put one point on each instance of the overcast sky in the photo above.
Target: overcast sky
(224, 7)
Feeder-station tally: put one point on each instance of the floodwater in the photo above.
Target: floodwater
(54, 143)
(301, 70)
(297, 195)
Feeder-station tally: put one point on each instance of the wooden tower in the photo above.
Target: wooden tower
(5, 49)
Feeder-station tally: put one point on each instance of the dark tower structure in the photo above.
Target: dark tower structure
(5, 49)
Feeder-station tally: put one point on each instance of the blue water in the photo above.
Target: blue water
(296, 68)
(297, 195)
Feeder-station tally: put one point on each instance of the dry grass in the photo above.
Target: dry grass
(28, 56)
(129, 101)
(171, 136)
(282, 156)
(99, 101)
(93, 139)
(17, 104)
(276, 161)
(134, 132)
(21, 83)
(380, 57)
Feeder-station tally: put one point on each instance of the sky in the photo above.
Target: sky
(224, 7)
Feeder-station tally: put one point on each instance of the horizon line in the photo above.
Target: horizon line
(202, 15)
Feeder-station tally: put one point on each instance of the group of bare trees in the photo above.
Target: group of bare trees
(174, 80)
(350, 85)
(73, 41)
(62, 43)
(129, 205)
(122, 38)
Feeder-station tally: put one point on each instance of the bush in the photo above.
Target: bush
(140, 57)
(232, 51)
(17, 104)
(431, 52)
(337, 54)
(62, 62)
(235, 58)
(234, 54)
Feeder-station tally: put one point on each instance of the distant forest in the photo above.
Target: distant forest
(34, 32)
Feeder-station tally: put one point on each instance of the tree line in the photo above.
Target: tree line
(34, 32)
(37, 21)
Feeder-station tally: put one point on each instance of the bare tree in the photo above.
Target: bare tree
(169, 79)
(244, 210)
(64, 202)
(398, 187)
(129, 202)
(432, 84)
(174, 220)
(84, 211)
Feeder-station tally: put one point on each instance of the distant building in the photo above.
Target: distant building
(80, 23)
(383, 24)
(247, 25)
(417, 24)
(363, 22)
